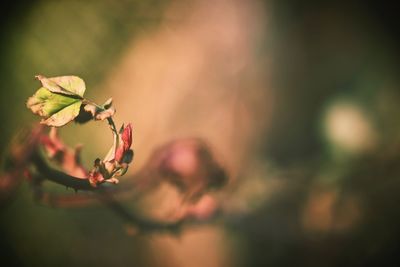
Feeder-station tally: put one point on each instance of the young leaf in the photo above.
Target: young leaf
(57, 109)
(66, 85)
(63, 116)
(99, 113)
(108, 103)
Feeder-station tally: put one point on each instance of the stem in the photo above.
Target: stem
(110, 121)
(60, 177)
(114, 130)
(112, 125)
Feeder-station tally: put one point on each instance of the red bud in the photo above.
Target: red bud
(127, 137)
(126, 142)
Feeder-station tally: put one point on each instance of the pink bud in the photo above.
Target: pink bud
(127, 137)
(126, 142)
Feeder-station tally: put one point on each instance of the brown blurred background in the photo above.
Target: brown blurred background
(297, 99)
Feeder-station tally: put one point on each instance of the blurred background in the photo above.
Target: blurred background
(297, 99)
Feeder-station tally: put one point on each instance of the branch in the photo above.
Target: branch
(59, 177)
(106, 196)
(146, 224)
(163, 165)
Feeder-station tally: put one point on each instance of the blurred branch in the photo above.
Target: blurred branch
(185, 163)
(145, 224)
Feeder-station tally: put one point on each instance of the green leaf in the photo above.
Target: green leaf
(108, 103)
(57, 109)
(64, 116)
(66, 85)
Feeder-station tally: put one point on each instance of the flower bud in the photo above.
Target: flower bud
(125, 143)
